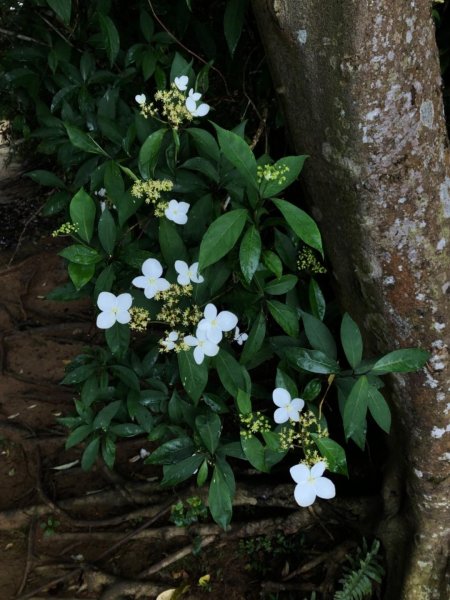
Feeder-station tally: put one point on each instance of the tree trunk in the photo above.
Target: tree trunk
(359, 84)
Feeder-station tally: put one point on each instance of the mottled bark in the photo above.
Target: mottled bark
(359, 84)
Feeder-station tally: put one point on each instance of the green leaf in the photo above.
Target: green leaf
(254, 452)
(172, 452)
(126, 376)
(82, 212)
(294, 164)
(90, 454)
(312, 361)
(301, 223)
(209, 427)
(149, 152)
(351, 341)
(231, 373)
(118, 339)
(80, 275)
(255, 339)
(78, 435)
(106, 415)
(203, 166)
(202, 474)
(238, 152)
(107, 231)
(250, 252)
(355, 409)
(175, 474)
(244, 402)
(285, 316)
(56, 203)
(78, 375)
(273, 262)
(171, 244)
(81, 255)
(220, 498)
(127, 206)
(110, 37)
(233, 22)
(283, 380)
(379, 409)
(204, 143)
(221, 236)
(282, 285)
(401, 361)
(312, 390)
(109, 451)
(319, 336)
(316, 300)
(126, 429)
(46, 178)
(333, 453)
(82, 141)
(62, 8)
(104, 281)
(194, 377)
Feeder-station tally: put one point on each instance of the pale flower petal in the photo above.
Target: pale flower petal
(318, 469)
(199, 355)
(181, 267)
(210, 312)
(191, 104)
(183, 279)
(226, 320)
(281, 415)
(325, 488)
(140, 98)
(162, 285)
(181, 82)
(191, 340)
(140, 281)
(299, 473)
(194, 95)
(195, 276)
(106, 300)
(105, 320)
(202, 110)
(124, 301)
(213, 334)
(210, 349)
(304, 494)
(281, 397)
(297, 404)
(152, 268)
(123, 316)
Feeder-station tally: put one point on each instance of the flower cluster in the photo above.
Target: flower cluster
(309, 480)
(172, 341)
(174, 106)
(150, 280)
(272, 173)
(65, 229)
(113, 309)
(254, 423)
(140, 319)
(152, 191)
(307, 261)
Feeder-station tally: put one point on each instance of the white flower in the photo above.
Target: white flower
(203, 346)
(101, 192)
(197, 110)
(310, 484)
(187, 274)
(140, 99)
(102, 205)
(114, 308)
(151, 280)
(169, 341)
(239, 337)
(289, 409)
(214, 324)
(181, 82)
(177, 212)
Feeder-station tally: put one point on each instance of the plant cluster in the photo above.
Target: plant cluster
(206, 278)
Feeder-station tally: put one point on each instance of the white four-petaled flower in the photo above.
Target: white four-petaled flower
(140, 99)
(310, 483)
(114, 308)
(193, 106)
(239, 337)
(151, 280)
(187, 273)
(214, 324)
(169, 341)
(203, 346)
(177, 212)
(289, 409)
(181, 82)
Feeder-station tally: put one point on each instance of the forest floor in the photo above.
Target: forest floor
(67, 534)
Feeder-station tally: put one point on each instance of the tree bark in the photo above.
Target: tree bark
(359, 84)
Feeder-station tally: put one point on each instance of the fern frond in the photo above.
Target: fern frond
(358, 579)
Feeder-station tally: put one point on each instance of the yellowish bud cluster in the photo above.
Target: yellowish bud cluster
(289, 438)
(169, 106)
(65, 229)
(307, 261)
(178, 345)
(140, 318)
(254, 423)
(272, 173)
(152, 190)
(309, 424)
(172, 313)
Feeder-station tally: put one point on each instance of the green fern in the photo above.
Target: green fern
(358, 579)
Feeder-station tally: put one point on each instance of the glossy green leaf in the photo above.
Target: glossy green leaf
(379, 409)
(273, 262)
(233, 22)
(193, 377)
(172, 452)
(282, 285)
(81, 255)
(316, 299)
(312, 390)
(209, 427)
(220, 499)
(46, 178)
(333, 453)
(250, 252)
(351, 341)
(231, 373)
(149, 153)
(255, 339)
(312, 361)
(285, 316)
(126, 376)
(355, 409)
(221, 236)
(301, 223)
(254, 451)
(62, 8)
(244, 402)
(107, 231)
(118, 339)
(282, 380)
(90, 454)
(106, 415)
(110, 37)
(82, 212)
(238, 152)
(293, 164)
(78, 435)
(82, 141)
(205, 143)
(319, 336)
(175, 474)
(401, 361)
(80, 275)
(171, 244)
